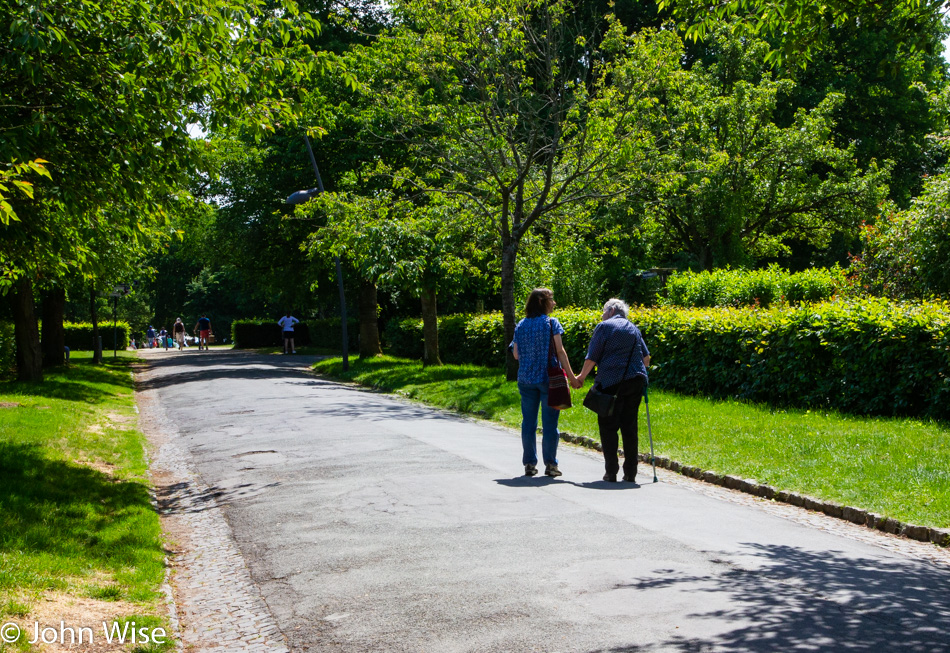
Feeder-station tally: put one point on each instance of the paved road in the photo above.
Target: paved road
(373, 524)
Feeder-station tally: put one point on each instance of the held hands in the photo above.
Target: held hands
(577, 382)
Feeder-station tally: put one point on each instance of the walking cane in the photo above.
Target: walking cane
(646, 399)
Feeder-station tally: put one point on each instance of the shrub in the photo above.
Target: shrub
(865, 357)
(759, 288)
(905, 253)
(78, 335)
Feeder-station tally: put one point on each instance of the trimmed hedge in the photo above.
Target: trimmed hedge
(260, 332)
(255, 333)
(760, 288)
(78, 335)
(864, 357)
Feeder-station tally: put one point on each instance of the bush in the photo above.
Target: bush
(865, 357)
(79, 335)
(7, 350)
(905, 253)
(259, 332)
(476, 339)
(759, 288)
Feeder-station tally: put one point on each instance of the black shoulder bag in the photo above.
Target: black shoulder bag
(602, 402)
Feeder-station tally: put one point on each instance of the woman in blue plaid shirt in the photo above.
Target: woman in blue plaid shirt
(532, 347)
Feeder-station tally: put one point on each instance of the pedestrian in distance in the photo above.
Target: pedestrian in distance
(179, 332)
(163, 338)
(621, 357)
(537, 346)
(287, 331)
(203, 330)
(150, 336)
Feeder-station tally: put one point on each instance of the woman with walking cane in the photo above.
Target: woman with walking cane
(621, 356)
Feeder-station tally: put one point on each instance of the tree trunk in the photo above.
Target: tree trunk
(430, 329)
(369, 320)
(26, 333)
(54, 335)
(508, 255)
(96, 351)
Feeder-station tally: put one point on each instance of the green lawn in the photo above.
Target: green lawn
(75, 513)
(896, 467)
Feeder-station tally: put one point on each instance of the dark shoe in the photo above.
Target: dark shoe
(530, 470)
(629, 479)
(610, 478)
(552, 471)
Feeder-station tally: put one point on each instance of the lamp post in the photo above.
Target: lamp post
(300, 197)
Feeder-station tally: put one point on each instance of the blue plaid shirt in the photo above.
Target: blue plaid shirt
(610, 347)
(533, 337)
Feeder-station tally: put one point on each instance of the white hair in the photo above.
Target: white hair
(617, 307)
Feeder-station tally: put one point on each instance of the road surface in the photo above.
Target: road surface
(369, 523)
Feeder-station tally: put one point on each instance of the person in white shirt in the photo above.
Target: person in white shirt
(287, 324)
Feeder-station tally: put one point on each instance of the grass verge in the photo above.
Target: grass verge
(77, 529)
(897, 467)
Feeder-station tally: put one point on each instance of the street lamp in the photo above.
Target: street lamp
(300, 197)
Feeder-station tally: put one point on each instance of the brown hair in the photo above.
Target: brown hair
(537, 302)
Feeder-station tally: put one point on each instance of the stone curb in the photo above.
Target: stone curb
(938, 536)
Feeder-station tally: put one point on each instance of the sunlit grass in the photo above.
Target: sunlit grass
(75, 513)
(897, 467)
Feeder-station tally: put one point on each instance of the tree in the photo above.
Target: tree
(737, 186)
(418, 244)
(511, 106)
(905, 253)
(889, 110)
(105, 91)
(798, 28)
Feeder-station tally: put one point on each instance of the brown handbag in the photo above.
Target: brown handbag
(559, 392)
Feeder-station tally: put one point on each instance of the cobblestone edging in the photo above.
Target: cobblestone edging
(872, 520)
(216, 604)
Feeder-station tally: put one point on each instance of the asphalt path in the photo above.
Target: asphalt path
(370, 523)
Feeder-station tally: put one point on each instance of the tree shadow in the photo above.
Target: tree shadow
(185, 497)
(62, 516)
(59, 384)
(814, 601)
(224, 365)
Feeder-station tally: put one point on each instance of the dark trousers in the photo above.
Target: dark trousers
(624, 419)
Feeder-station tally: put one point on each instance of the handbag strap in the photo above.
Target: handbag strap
(551, 352)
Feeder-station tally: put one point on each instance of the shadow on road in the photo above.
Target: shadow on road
(225, 365)
(543, 481)
(844, 604)
(180, 498)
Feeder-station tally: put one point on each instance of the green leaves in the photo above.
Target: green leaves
(732, 186)
(11, 179)
(799, 27)
(759, 288)
(905, 253)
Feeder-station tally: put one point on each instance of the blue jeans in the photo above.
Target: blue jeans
(534, 395)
